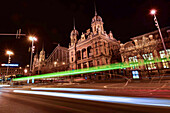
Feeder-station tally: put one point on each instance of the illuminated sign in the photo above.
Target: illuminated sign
(135, 74)
(12, 65)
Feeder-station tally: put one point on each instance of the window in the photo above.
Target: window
(162, 55)
(95, 44)
(90, 63)
(165, 64)
(89, 51)
(149, 57)
(72, 53)
(96, 51)
(79, 66)
(105, 51)
(98, 63)
(85, 65)
(106, 61)
(133, 60)
(84, 53)
(78, 55)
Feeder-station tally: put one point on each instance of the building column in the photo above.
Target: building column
(87, 64)
(82, 66)
(86, 53)
(81, 54)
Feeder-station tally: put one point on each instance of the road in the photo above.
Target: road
(61, 100)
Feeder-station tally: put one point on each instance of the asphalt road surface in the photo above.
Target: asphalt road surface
(18, 101)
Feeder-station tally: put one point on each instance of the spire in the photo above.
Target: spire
(43, 46)
(74, 23)
(95, 8)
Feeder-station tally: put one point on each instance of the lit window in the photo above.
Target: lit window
(162, 55)
(149, 57)
(165, 64)
(133, 60)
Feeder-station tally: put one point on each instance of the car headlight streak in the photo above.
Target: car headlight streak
(101, 98)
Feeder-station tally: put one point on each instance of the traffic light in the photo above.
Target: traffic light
(18, 34)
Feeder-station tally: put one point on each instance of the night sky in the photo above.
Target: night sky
(51, 21)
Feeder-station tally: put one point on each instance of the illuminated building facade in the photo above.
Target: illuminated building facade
(57, 61)
(94, 48)
(147, 47)
(12, 71)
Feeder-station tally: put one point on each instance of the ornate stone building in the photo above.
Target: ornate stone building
(147, 47)
(57, 61)
(93, 48)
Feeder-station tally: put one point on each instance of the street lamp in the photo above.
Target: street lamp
(31, 38)
(153, 12)
(9, 53)
(25, 71)
(55, 63)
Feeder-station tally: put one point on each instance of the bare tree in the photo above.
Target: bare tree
(144, 48)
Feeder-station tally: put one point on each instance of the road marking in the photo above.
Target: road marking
(101, 98)
(67, 89)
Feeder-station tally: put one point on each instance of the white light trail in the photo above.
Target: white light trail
(4, 85)
(66, 89)
(110, 99)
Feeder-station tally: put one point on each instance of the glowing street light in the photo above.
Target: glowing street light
(55, 63)
(153, 12)
(32, 38)
(9, 53)
(25, 71)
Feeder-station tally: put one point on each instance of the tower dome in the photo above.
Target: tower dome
(73, 36)
(96, 18)
(97, 24)
(74, 32)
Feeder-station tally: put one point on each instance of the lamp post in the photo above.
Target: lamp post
(9, 53)
(153, 12)
(31, 38)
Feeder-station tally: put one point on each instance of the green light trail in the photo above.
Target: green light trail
(90, 70)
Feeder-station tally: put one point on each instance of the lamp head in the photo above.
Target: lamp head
(153, 12)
